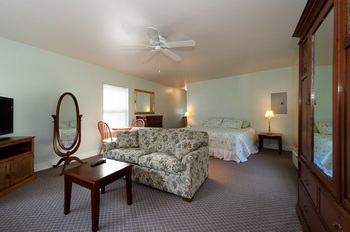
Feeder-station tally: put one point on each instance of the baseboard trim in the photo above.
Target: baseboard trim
(49, 164)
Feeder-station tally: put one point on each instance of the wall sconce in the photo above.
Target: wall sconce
(269, 114)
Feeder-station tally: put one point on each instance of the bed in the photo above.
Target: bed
(229, 139)
(67, 132)
(323, 147)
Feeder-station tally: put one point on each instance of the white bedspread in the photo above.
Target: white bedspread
(230, 144)
(323, 150)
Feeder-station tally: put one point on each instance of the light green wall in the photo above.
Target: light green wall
(36, 78)
(247, 97)
(323, 93)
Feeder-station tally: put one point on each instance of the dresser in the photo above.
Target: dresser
(16, 163)
(152, 120)
(324, 65)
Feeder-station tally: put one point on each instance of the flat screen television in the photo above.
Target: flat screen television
(6, 115)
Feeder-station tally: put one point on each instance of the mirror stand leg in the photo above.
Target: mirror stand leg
(64, 167)
(59, 162)
(76, 159)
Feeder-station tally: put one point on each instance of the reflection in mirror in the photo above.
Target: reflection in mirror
(67, 132)
(322, 94)
(143, 102)
(67, 122)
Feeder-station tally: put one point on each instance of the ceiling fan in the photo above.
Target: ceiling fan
(159, 44)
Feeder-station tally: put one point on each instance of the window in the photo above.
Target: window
(115, 106)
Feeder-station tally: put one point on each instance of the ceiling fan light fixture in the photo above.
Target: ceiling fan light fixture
(157, 43)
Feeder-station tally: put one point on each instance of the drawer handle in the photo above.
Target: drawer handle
(337, 227)
(306, 210)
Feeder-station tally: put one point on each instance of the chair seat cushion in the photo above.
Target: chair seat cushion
(162, 162)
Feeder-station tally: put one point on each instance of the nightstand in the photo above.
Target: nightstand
(275, 136)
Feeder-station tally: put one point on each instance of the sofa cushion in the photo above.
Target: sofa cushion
(150, 139)
(169, 139)
(162, 162)
(127, 139)
(185, 146)
(187, 141)
(129, 155)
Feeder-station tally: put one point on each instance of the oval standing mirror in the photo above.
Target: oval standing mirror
(67, 129)
(144, 102)
(322, 94)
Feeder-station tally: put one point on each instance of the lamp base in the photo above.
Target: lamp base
(269, 133)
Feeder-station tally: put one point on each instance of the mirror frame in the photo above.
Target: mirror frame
(322, 50)
(58, 146)
(137, 93)
(329, 183)
(77, 117)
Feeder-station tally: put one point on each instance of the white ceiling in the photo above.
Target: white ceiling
(233, 36)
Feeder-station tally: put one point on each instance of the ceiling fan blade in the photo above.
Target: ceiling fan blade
(171, 55)
(149, 55)
(178, 44)
(134, 46)
(153, 34)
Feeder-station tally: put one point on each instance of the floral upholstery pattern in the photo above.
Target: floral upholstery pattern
(186, 143)
(161, 161)
(173, 160)
(129, 155)
(127, 139)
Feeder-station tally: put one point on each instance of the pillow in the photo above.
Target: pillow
(232, 123)
(64, 124)
(245, 124)
(185, 146)
(127, 139)
(213, 122)
(324, 127)
(73, 124)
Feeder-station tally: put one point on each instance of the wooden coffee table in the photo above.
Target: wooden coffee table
(96, 178)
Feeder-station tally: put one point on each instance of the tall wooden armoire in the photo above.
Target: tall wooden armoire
(324, 116)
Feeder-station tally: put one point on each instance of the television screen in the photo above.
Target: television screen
(6, 115)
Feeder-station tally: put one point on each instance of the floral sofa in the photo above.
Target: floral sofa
(173, 160)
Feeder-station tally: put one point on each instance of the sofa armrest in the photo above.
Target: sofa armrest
(196, 165)
(109, 146)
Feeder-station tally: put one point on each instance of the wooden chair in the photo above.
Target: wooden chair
(138, 123)
(106, 134)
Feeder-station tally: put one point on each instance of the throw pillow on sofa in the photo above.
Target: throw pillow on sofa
(127, 139)
(185, 146)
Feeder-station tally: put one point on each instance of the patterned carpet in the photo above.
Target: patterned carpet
(259, 195)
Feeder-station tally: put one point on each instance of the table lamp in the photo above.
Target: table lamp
(269, 114)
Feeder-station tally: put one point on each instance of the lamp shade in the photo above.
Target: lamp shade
(269, 114)
(187, 114)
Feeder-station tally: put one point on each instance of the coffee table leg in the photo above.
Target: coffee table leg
(128, 186)
(67, 194)
(95, 207)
